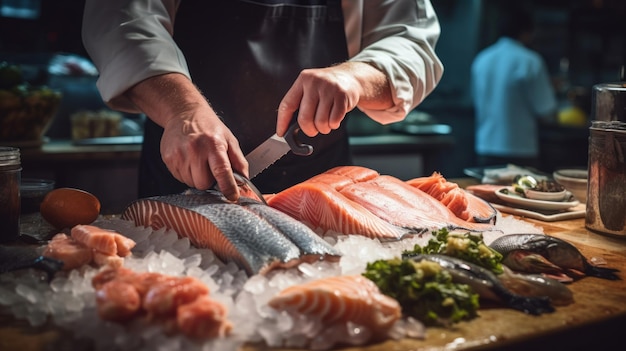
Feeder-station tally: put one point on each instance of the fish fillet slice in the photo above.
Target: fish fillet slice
(312, 246)
(210, 221)
(96, 238)
(418, 206)
(463, 204)
(339, 300)
(356, 173)
(319, 205)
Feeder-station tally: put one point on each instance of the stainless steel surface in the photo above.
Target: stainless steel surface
(609, 102)
(606, 191)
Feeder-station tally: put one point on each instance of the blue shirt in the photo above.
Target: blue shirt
(511, 91)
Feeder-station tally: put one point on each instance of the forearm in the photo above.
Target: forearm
(376, 90)
(165, 96)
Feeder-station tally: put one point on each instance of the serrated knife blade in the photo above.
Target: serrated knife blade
(275, 147)
(264, 155)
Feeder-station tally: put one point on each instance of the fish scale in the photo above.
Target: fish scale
(312, 246)
(231, 231)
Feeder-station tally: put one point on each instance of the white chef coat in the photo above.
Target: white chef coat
(130, 41)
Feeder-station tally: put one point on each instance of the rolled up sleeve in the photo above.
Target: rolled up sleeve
(399, 38)
(130, 41)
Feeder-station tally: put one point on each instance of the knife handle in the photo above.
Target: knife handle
(296, 146)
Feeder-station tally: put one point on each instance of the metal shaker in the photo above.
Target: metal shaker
(606, 189)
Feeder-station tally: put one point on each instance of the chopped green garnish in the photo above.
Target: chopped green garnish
(424, 290)
(466, 246)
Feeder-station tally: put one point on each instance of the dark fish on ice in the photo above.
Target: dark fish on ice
(486, 284)
(257, 241)
(539, 253)
(14, 258)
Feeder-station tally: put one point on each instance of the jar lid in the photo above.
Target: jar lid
(609, 102)
(9, 156)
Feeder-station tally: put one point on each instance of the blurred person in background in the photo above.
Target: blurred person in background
(217, 78)
(512, 95)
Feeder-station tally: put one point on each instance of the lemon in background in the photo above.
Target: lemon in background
(572, 116)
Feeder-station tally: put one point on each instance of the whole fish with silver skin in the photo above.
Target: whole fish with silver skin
(539, 253)
(486, 284)
(232, 231)
(536, 285)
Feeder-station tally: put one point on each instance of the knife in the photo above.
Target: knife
(275, 147)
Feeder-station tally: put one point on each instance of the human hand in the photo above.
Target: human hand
(200, 150)
(323, 96)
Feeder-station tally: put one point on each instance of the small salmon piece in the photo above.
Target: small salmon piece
(73, 253)
(203, 318)
(164, 297)
(464, 204)
(339, 300)
(102, 259)
(124, 244)
(117, 301)
(95, 238)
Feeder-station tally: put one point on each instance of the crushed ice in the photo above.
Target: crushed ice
(68, 301)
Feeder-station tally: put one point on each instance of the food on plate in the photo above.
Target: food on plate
(233, 231)
(335, 302)
(486, 284)
(67, 207)
(464, 205)
(89, 244)
(181, 303)
(543, 189)
(557, 258)
(424, 290)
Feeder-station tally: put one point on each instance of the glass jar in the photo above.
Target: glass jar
(10, 202)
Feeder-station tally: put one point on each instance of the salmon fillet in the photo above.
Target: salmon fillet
(462, 203)
(337, 300)
(319, 205)
(417, 206)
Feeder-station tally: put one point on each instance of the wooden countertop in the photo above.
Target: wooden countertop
(594, 321)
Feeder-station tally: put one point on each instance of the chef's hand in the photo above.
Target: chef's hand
(323, 96)
(200, 150)
(197, 148)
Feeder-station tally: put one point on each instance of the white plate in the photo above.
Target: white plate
(523, 202)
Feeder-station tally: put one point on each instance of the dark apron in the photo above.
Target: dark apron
(244, 56)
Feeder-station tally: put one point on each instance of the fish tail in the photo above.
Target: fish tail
(531, 305)
(602, 272)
